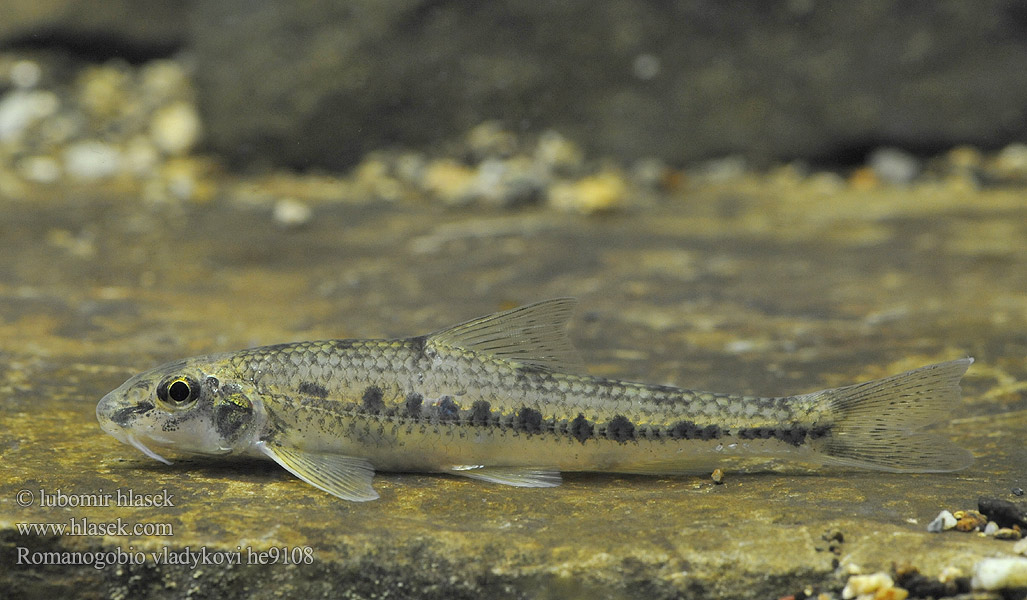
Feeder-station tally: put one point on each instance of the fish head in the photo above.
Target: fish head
(182, 407)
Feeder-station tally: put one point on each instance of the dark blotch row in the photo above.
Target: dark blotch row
(620, 429)
(581, 428)
(372, 400)
(529, 420)
(412, 404)
(687, 430)
(795, 435)
(448, 409)
(481, 413)
(310, 388)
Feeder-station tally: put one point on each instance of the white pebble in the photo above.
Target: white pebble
(92, 160)
(646, 66)
(894, 166)
(990, 528)
(26, 74)
(289, 212)
(21, 108)
(943, 522)
(858, 585)
(1012, 159)
(176, 128)
(999, 573)
(1020, 547)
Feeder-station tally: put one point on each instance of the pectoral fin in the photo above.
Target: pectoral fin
(347, 477)
(515, 476)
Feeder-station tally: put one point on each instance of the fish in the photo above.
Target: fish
(505, 399)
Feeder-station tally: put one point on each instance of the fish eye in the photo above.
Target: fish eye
(177, 391)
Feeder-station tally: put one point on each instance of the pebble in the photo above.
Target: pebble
(372, 180)
(950, 574)
(141, 158)
(103, 91)
(554, 152)
(1007, 533)
(1012, 161)
(507, 182)
(176, 128)
(878, 586)
(20, 109)
(990, 528)
(650, 172)
(965, 157)
(164, 80)
(717, 476)
(646, 66)
(291, 213)
(894, 166)
(449, 181)
(92, 159)
(1020, 547)
(26, 74)
(39, 169)
(489, 139)
(602, 192)
(969, 520)
(991, 574)
(943, 522)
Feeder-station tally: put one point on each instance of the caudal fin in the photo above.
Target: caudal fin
(877, 424)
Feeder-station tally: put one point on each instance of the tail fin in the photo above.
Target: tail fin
(876, 425)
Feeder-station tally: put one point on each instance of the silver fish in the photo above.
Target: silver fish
(502, 399)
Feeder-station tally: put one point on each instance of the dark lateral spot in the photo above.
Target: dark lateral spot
(620, 429)
(312, 389)
(413, 405)
(757, 433)
(798, 434)
(687, 430)
(581, 428)
(372, 399)
(123, 416)
(529, 420)
(684, 430)
(448, 410)
(794, 435)
(481, 413)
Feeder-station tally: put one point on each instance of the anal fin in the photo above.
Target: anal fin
(515, 476)
(347, 477)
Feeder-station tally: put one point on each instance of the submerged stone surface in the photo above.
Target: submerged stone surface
(754, 286)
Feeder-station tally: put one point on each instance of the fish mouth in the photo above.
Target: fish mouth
(104, 415)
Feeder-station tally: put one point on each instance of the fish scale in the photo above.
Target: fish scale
(503, 399)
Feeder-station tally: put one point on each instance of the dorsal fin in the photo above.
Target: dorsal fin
(533, 335)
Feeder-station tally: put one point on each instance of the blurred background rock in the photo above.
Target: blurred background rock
(318, 83)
